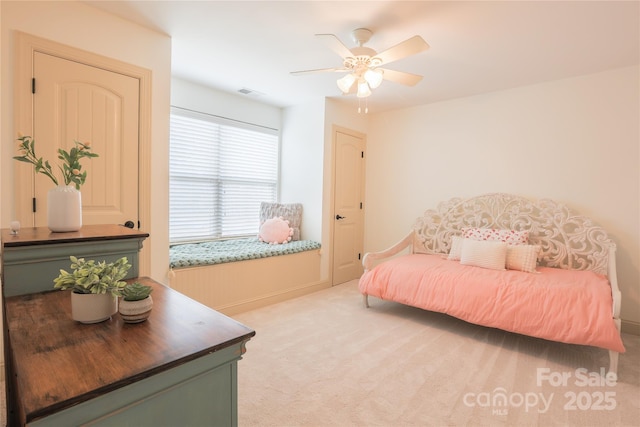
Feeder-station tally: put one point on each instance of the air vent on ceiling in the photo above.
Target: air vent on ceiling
(250, 92)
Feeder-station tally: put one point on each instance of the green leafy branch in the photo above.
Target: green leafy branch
(71, 168)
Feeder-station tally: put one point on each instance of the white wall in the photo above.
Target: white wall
(301, 164)
(346, 116)
(574, 140)
(83, 27)
(301, 172)
(307, 172)
(196, 97)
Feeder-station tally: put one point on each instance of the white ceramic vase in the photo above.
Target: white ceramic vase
(135, 311)
(64, 209)
(93, 308)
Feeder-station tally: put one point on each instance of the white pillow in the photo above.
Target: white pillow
(456, 248)
(484, 253)
(522, 257)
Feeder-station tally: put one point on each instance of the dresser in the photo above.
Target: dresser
(33, 258)
(177, 368)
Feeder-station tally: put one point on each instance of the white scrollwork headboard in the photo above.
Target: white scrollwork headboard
(567, 240)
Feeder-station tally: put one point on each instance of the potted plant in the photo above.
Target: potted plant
(136, 302)
(95, 287)
(64, 211)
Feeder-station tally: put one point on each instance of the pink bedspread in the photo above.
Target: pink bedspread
(559, 305)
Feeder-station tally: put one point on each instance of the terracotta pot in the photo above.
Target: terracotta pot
(135, 311)
(93, 308)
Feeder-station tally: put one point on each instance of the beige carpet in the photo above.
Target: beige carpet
(325, 360)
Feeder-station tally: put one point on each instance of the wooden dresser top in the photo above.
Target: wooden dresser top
(88, 233)
(59, 362)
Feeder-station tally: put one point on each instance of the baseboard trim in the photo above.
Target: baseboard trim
(276, 297)
(630, 327)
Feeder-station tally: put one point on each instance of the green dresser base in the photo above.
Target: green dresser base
(33, 258)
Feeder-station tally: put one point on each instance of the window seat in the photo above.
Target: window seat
(224, 251)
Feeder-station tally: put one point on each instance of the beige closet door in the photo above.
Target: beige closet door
(348, 216)
(76, 101)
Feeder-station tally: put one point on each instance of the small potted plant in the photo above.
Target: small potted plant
(136, 302)
(95, 287)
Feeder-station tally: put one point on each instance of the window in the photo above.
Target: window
(219, 172)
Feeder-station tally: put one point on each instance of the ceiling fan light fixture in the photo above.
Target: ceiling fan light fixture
(346, 82)
(363, 89)
(373, 77)
(362, 62)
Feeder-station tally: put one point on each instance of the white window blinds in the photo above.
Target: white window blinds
(219, 172)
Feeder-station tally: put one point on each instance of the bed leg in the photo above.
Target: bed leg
(613, 355)
(365, 300)
(613, 364)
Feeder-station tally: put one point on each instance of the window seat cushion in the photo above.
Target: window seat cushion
(218, 252)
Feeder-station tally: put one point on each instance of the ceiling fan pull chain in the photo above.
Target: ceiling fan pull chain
(366, 105)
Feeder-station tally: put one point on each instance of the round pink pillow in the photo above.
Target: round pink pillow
(275, 230)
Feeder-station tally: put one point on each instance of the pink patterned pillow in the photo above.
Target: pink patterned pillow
(510, 237)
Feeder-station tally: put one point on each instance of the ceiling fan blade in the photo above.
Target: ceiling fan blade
(336, 45)
(320, 70)
(415, 44)
(401, 77)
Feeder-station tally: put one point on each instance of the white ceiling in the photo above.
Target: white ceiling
(476, 46)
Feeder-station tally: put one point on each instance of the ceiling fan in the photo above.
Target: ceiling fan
(364, 64)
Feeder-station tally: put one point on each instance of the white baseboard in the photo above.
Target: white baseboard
(630, 327)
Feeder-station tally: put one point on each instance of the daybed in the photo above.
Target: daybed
(567, 293)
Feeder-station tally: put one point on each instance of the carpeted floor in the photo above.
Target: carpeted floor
(325, 360)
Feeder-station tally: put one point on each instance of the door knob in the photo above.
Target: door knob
(129, 224)
(340, 217)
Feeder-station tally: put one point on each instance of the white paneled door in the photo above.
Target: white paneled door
(348, 217)
(77, 101)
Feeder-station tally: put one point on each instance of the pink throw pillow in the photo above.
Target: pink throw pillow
(275, 230)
